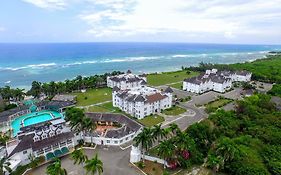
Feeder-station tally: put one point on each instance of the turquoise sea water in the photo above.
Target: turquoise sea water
(33, 118)
(20, 64)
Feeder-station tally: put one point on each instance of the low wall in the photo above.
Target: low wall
(155, 159)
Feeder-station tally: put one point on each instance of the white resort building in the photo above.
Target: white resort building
(219, 81)
(47, 139)
(126, 81)
(142, 101)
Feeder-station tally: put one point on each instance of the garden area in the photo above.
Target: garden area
(177, 85)
(214, 105)
(157, 79)
(151, 120)
(175, 110)
(93, 96)
(151, 168)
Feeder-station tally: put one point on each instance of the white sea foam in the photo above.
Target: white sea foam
(30, 66)
(129, 59)
(180, 56)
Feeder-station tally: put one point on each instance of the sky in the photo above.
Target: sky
(192, 21)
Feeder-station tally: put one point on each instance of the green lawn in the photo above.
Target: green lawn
(107, 107)
(177, 85)
(98, 109)
(219, 103)
(93, 96)
(168, 77)
(174, 111)
(214, 105)
(150, 121)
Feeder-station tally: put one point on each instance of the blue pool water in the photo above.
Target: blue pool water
(33, 118)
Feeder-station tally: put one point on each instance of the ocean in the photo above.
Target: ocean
(20, 64)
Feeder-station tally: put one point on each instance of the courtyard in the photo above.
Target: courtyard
(115, 162)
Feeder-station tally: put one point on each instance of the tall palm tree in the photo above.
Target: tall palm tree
(86, 125)
(55, 168)
(144, 140)
(174, 128)
(166, 150)
(183, 141)
(157, 132)
(91, 128)
(94, 165)
(75, 117)
(79, 157)
(4, 165)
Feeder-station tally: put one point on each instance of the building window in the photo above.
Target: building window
(108, 141)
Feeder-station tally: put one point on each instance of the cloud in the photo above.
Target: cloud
(194, 17)
(48, 4)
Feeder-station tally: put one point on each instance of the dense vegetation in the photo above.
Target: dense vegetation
(241, 142)
(246, 141)
(266, 70)
(52, 88)
(276, 90)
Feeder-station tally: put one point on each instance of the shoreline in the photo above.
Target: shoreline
(27, 87)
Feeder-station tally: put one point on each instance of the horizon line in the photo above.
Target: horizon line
(148, 42)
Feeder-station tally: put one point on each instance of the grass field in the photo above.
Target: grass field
(219, 103)
(177, 85)
(174, 111)
(93, 96)
(150, 121)
(168, 77)
(98, 109)
(214, 105)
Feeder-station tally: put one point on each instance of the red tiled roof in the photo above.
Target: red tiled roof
(155, 97)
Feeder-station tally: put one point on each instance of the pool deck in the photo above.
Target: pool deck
(15, 125)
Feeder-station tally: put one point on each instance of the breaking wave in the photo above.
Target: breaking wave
(130, 59)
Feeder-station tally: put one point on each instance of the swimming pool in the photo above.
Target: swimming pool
(33, 118)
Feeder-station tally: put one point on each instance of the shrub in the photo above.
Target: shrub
(141, 165)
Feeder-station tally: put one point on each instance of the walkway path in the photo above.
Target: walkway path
(96, 104)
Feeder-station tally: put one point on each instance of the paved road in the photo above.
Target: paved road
(115, 162)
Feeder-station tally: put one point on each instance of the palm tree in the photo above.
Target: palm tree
(144, 139)
(4, 165)
(94, 165)
(75, 117)
(174, 128)
(166, 150)
(157, 132)
(55, 168)
(91, 128)
(183, 141)
(87, 125)
(79, 157)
